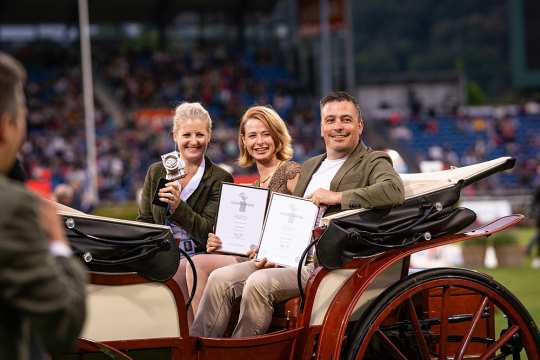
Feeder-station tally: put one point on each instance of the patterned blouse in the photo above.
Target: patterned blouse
(286, 171)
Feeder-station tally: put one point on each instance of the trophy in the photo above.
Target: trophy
(174, 166)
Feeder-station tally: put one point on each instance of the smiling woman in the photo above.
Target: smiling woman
(191, 133)
(263, 139)
(192, 202)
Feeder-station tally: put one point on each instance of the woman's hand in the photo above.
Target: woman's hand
(252, 253)
(213, 243)
(264, 264)
(170, 194)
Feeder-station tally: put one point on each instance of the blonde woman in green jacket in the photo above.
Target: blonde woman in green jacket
(193, 200)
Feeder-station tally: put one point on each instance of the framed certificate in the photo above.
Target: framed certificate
(287, 229)
(240, 217)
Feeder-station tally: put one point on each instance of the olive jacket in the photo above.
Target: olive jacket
(366, 180)
(42, 296)
(197, 215)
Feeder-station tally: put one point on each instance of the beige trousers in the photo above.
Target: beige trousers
(204, 265)
(259, 290)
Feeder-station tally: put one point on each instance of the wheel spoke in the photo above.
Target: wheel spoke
(396, 353)
(444, 322)
(502, 340)
(422, 344)
(444, 314)
(467, 338)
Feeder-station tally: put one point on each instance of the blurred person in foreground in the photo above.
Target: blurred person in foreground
(42, 287)
(349, 175)
(263, 139)
(192, 201)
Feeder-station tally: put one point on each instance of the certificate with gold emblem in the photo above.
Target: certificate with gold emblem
(240, 217)
(287, 229)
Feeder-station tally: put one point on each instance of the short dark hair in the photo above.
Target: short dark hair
(338, 96)
(12, 75)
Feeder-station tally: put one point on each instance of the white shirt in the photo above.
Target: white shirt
(187, 191)
(324, 175)
(193, 183)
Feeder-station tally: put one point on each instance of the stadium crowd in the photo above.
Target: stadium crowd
(464, 139)
(55, 146)
(226, 82)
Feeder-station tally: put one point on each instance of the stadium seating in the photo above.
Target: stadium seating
(226, 81)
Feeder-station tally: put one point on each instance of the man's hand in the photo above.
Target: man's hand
(170, 194)
(51, 223)
(213, 243)
(325, 197)
(264, 264)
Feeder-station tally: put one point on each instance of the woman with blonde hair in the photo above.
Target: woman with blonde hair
(192, 201)
(263, 139)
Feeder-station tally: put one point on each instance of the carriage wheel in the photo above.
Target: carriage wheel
(445, 314)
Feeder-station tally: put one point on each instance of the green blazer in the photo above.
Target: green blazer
(41, 296)
(197, 215)
(366, 179)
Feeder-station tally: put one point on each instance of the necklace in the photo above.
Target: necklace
(271, 174)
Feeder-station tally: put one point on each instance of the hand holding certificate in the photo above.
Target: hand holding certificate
(287, 229)
(280, 231)
(240, 217)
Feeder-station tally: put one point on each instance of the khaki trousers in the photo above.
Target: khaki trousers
(259, 290)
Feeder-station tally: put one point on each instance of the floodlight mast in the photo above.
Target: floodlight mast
(349, 47)
(88, 95)
(325, 49)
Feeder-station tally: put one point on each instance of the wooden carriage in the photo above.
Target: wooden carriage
(372, 307)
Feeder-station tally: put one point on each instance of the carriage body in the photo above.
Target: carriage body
(373, 306)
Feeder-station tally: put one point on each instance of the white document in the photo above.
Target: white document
(240, 217)
(287, 229)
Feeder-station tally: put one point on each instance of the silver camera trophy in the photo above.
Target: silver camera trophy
(174, 166)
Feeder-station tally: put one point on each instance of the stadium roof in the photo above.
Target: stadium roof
(113, 11)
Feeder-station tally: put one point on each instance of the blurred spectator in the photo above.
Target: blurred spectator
(535, 240)
(227, 81)
(401, 132)
(479, 124)
(63, 194)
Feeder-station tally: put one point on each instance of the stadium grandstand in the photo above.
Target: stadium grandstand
(228, 55)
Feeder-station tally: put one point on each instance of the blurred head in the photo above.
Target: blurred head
(263, 137)
(12, 110)
(341, 124)
(63, 194)
(192, 130)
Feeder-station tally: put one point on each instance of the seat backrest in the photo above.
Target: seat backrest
(127, 307)
(334, 280)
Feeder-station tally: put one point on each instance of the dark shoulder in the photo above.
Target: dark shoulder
(373, 155)
(156, 168)
(15, 200)
(220, 174)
